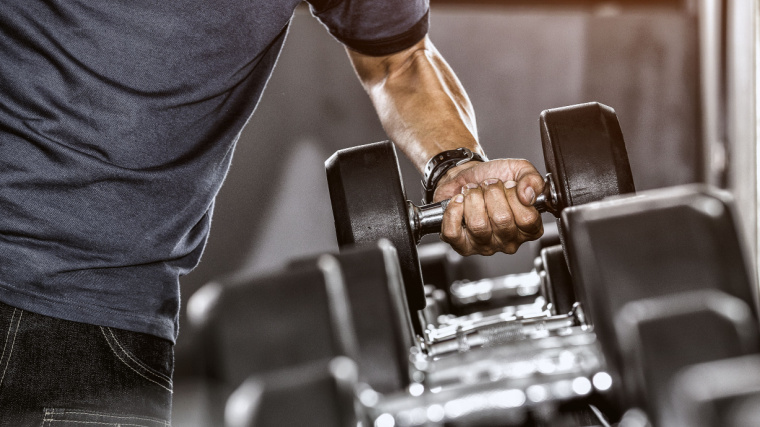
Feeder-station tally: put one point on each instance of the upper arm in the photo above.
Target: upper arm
(371, 27)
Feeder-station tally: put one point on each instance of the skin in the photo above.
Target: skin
(425, 110)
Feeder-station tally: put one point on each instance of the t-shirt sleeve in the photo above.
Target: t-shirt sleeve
(374, 27)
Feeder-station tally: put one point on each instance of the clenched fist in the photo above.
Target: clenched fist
(491, 208)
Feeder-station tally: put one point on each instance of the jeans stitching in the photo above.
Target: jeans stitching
(97, 422)
(46, 419)
(134, 359)
(50, 415)
(8, 334)
(13, 343)
(113, 350)
(129, 417)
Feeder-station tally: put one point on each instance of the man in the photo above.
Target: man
(118, 122)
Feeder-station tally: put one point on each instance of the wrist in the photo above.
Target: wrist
(442, 164)
(451, 174)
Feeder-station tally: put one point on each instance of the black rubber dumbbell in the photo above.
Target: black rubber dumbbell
(556, 280)
(377, 307)
(661, 336)
(654, 245)
(253, 324)
(349, 304)
(721, 393)
(378, 311)
(585, 158)
(319, 393)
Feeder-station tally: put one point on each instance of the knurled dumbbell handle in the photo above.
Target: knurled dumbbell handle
(427, 219)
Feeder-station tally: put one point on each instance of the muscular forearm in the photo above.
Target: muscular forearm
(425, 111)
(419, 100)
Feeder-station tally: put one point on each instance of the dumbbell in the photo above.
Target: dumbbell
(556, 281)
(585, 158)
(378, 312)
(441, 266)
(491, 293)
(465, 333)
(678, 297)
(652, 246)
(549, 280)
(517, 306)
(661, 336)
(247, 325)
(529, 382)
(318, 393)
(349, 304)
(722, 393)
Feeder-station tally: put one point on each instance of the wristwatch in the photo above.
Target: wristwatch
(437, 167)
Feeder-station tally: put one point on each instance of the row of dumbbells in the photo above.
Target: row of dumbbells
(662, 305)
(598, 333)
(337, 327)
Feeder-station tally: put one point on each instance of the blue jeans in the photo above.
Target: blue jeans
(59, 373)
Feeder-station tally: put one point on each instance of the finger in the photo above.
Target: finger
(529, 184)
(500, 214)
(527, 219)
(452, 231)
(475, 215)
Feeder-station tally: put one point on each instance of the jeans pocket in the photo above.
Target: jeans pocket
(150, 357)
(58, 417)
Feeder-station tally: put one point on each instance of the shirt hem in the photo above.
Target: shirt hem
(86, 313)
(389, 45)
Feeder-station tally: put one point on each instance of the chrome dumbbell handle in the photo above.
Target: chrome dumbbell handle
(548, 200)
(427, 219)
(495, 330)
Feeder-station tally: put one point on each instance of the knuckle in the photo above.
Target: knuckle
(523, 162)
(507, 232)
(525, 166)
(478, 226)
(530, 217)
(448, 234)
(511, 247)
(495, 190)
(463, 249)
(535, 234)
(487, 251)
(481, 242)
(502, 219)
(472, 193)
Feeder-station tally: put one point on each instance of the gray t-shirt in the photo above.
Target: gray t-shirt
(118, 120)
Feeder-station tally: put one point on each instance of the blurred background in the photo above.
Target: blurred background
(680, 74)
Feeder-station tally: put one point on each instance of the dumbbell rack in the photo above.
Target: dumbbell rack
(654, 327)
(505, 384)
(505, 364)
(635, 314)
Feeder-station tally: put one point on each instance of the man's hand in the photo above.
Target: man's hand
(491, 208)
(425, 111)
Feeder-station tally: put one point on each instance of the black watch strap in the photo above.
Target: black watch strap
(437, 167)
